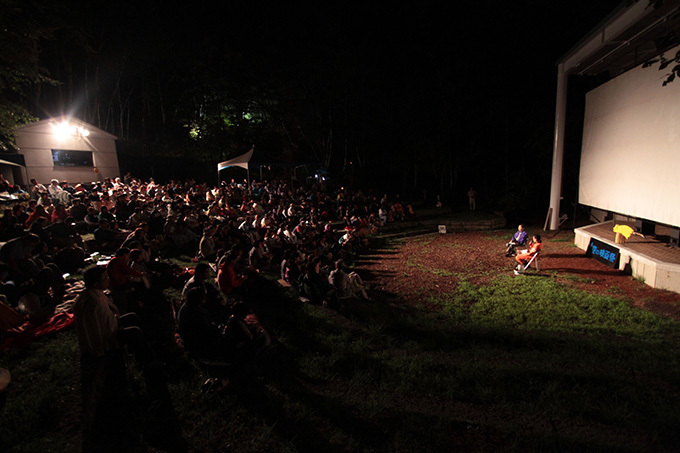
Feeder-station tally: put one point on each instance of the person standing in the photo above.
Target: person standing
(99, 326)
(101, 333)
(472, 199)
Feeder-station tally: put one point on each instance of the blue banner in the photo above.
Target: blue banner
(604, 253)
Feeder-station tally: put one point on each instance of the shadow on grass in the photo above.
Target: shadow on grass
(532, 274)
(372, 275)
(581, 271)
(305, 418)
(381, 376)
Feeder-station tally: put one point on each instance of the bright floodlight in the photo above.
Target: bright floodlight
(64, 130)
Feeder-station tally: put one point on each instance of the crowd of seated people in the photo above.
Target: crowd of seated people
(233, 231)
(236, 229)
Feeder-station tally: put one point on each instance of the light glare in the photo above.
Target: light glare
(65, 129)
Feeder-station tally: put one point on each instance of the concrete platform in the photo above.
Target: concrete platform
(649, 258)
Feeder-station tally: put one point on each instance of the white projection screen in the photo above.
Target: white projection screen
(630, 160)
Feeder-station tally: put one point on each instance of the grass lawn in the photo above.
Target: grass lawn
(494, 368)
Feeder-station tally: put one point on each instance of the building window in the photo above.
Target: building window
(68, 158)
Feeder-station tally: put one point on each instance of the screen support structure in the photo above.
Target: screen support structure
(558, 148)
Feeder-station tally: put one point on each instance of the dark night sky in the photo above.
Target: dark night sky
(479, 43)
(424, 47)
(406, 71)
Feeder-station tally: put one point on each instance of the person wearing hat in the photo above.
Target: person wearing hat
(54, 189)
(65, 197)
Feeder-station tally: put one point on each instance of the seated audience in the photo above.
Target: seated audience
(228, 280)
(231, 341)
(17, 253)
(214, 302)
(120, 272)
(316, 288)
(105, 236)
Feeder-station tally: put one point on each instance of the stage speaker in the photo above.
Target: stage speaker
(645, 227)
(674, 237)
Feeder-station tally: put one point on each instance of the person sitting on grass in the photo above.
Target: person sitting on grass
(346, 285)
(314, 287)
(17, 253)
(231, 341)
(535, 246)
(258, 257)
(214, 303)
(9, 318)
(207, 247)
(105, 236)
(290, 268)
(39, 211)
(136, 263)
(228, 279)
(120, 271)
(518, 239)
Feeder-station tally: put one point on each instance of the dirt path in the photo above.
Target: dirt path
(414, 268)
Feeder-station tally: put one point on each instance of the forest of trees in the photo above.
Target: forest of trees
(406, 99)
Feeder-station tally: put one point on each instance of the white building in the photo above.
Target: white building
(68, 150)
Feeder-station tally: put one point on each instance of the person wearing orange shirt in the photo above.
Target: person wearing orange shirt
(525, 256)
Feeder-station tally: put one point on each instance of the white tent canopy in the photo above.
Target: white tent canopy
(246, 162)
(238, 161)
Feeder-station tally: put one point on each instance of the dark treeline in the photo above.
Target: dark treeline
(413, 98)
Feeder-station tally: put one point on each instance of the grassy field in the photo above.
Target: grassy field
(495, 368)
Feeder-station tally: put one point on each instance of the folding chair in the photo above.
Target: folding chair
(512, 250)
(533, 260)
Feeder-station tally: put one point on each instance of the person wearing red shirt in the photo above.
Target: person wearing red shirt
(38, 212)
(227, 278)
(119, 271)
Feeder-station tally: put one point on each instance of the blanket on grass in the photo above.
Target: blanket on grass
(24, 333)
